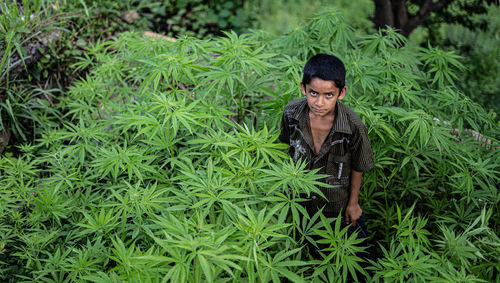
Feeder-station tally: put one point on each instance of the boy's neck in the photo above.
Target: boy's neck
(320, 128)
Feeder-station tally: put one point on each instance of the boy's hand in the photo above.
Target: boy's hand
(353, 210)
(352, 213)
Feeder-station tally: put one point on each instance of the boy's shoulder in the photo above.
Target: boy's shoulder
(348, 113)
(295, 110)
(295, 105)
(349, 120)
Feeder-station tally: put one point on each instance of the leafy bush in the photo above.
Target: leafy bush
(480, 81)
(277, 16)
(40, 41)
(198, 18)
(166, 167)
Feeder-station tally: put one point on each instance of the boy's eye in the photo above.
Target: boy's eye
(329, 95)
(313, 93)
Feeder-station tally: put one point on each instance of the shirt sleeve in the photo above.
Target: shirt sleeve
(284, 134)
(361, 151)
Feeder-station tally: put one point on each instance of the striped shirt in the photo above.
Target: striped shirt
(347, 147)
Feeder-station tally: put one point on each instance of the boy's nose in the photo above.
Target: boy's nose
(319, 100)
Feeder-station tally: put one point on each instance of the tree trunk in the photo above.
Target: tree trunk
(394, 13)
(383, 14)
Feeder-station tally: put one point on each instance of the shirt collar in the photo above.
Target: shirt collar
(340, 123)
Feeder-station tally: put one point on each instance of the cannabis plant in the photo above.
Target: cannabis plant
(165, 166)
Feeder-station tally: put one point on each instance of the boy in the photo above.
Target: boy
(327, 134)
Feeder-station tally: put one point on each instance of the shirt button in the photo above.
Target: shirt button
(314, 197)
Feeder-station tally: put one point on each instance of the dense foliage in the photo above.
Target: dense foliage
(277, 16)
(408, 15)
(40, 41)
(166, 167)
(197, 17)
(481, 55)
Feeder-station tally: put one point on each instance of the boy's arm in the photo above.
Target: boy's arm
(353, 211)
(362, 161)
(284, 136)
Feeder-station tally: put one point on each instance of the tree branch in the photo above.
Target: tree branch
(423, 13)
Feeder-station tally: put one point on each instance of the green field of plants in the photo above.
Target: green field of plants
(161, 164)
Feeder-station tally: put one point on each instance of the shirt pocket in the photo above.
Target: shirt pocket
(339, 167)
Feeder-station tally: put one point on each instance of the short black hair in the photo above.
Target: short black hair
(326, 67)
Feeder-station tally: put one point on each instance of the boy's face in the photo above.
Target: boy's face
(322, 96)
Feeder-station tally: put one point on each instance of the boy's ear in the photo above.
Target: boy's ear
(342, 93)
(303, 88)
